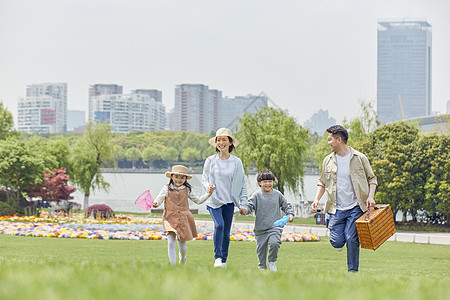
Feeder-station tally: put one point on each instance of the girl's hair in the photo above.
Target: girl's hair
(229, 148)
(186, 184)
(265, 175)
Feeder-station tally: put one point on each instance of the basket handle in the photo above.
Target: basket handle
(368, 212)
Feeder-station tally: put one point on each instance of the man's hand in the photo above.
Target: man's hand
(291, 218)
(370, 202)
(314, 205)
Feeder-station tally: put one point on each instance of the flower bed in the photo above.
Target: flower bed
(121, 228)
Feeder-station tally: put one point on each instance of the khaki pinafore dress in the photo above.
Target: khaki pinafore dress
(177, 217)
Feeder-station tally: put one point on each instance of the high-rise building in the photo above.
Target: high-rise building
(152, 93)
(44, 109)
(404, 69)
(234, 108)
(196, 108)
(101, 89)
(129, 112)
(319, 122)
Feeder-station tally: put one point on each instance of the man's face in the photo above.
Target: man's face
(266, 186)
(333, 142)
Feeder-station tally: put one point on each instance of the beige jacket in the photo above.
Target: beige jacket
(361, 175)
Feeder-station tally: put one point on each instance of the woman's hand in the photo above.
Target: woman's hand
(155, 204)
(291, 218)
(243, 211)
(211, 189)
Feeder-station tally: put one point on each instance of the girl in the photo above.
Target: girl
(226, 172)
(178, 222)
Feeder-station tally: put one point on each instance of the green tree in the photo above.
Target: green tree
(190, 155)
(170, 155)
(134, 155)
(152, 154)
(22, 165)
(390, 151)
(118, 153)
(360, 127)
(6, 122)
(272, 140)
(91, 151)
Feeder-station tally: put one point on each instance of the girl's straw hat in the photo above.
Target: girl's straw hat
(179, 169)
(223, 132)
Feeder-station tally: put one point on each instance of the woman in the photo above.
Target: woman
(226, 172)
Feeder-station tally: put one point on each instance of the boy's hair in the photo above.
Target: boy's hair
(229, 148)
(186, 184)
(265, 175)
(338, 131)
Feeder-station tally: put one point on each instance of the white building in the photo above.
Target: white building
(129, 112)
(44, 109)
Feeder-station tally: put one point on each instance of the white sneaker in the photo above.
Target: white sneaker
(218, 263)
(182, 261)
(340, 249)
(272, 266)
(224, 265)
(261, 268)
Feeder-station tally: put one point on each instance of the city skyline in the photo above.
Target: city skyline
(305, 55)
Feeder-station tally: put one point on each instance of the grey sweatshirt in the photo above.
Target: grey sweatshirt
(268, 208)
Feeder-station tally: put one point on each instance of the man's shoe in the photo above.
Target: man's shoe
(340, 249)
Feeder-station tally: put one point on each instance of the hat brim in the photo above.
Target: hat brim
(169, 174)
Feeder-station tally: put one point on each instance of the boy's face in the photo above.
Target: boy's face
(266, 186)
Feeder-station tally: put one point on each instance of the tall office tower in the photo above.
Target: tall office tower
(404, 69)
(319, 122)
(234, 108)
(196, 108)
(101, 89)
(152, 93)
(44, 109)
(129, 112)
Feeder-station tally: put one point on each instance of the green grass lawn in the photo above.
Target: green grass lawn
(52, 268)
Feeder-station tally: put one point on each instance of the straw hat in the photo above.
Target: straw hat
(179, 169)
(223, 132)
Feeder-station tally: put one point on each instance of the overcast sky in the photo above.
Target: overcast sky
(305, 55)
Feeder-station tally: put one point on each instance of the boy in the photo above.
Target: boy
(267, 203)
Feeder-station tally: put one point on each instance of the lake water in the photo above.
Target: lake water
(126, 187)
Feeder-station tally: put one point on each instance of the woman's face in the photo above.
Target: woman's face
(178, 180)
(223, 143)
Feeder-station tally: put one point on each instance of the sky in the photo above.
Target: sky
(305, 55)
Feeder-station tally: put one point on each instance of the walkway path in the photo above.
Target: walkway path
(440, 238)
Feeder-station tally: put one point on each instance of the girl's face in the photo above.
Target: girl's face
(178, 179)
(223, 143)
(266, 186)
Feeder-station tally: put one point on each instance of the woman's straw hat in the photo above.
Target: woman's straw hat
(223, 132)
(179, 169)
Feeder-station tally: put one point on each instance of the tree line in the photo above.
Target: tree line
(412, 168)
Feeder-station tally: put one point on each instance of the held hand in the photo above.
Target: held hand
(155, 204)
(291, 218)
(211, 189)
(314, 205)
(243, 211)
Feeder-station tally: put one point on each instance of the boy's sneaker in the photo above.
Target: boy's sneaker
(218, 263)
(261, 268)
(272, 266)
(340, 249)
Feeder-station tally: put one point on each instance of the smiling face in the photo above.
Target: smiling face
(333, 142)
(266, 186)
(223, 144)
(178, 179)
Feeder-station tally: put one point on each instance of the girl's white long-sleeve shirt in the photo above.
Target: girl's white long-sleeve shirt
(191, 196)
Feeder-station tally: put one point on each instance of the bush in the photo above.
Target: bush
(102, 211)
(6, 209)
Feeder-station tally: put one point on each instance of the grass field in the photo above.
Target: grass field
(52, 268)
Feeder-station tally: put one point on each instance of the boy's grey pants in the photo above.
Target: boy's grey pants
(270, 237)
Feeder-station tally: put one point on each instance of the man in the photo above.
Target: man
(349, 182)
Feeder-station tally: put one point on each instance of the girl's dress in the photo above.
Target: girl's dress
(177, 217)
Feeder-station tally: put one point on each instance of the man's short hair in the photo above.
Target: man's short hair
(338, 131)
(265, 175)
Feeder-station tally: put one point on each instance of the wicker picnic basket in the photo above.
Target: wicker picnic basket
(375, 226)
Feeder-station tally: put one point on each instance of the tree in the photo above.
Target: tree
(6, 122)
(390, 150)
(91, 151)
(272, 140)
(170, 155)
(21, 165)
(190, 155)
(366, 122)
(151, 154)
(53, 188)
(133, 154)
